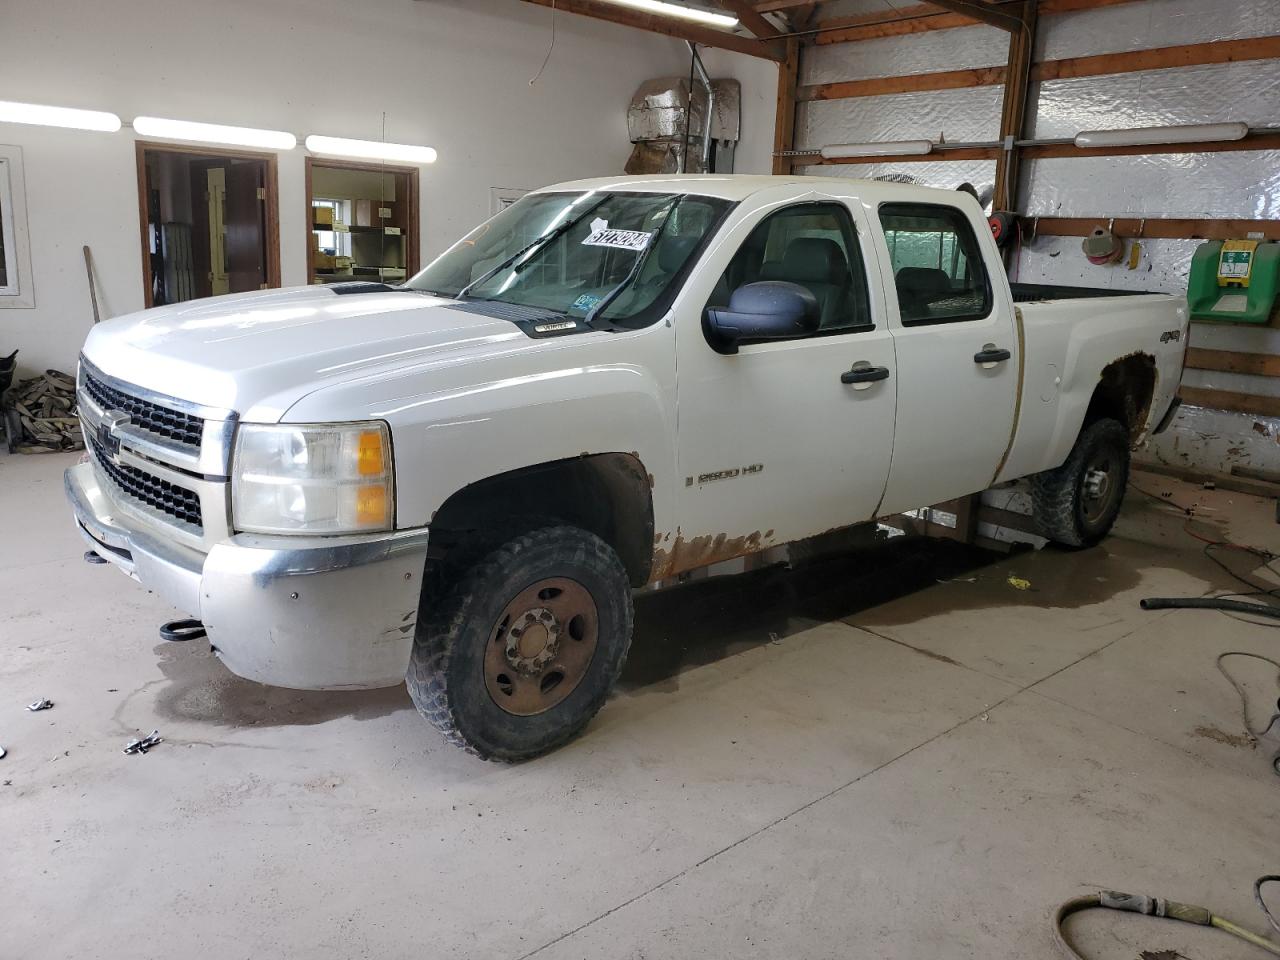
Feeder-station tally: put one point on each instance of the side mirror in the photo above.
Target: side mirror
(768, 310)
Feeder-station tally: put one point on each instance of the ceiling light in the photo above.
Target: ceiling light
(370, 149)
(1141, 136)
(58, 117)
(214, 133)
(889, 148)
(679, 10)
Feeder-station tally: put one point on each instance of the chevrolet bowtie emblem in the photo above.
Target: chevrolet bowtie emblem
(107, 438)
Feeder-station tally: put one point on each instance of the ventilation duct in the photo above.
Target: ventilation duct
(659, 119)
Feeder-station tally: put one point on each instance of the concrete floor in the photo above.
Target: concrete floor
(853, 760)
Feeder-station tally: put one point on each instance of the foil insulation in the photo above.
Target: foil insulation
(1212, 93)
(980, 173)
(898, 56)
(1217, 185)
(1155, 23)
(954, 115)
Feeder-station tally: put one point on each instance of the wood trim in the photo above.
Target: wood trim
(1263, 141)
(1230, 401)
(1152, 228)
(962, 153)
(667, 26)
(784, 123)
(1230, 361)
(413, 231)
(271, 215)
(913, 83)
(1160, 58)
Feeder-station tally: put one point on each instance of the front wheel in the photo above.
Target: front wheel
(1076, 504)
(517, 652)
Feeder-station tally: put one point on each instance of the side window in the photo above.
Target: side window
(937, 263)
(815, 246)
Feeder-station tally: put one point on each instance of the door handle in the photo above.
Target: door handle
(991, 354)
(864, 375)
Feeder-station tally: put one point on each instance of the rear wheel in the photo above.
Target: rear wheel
(1076, 504)
(517, 651)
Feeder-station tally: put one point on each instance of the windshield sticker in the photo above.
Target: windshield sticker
(586, 301)
(602, 235)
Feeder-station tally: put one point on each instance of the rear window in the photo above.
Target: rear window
(937, 264)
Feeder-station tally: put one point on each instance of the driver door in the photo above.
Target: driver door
(776, 442)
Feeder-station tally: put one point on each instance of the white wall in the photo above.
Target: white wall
(450, 73)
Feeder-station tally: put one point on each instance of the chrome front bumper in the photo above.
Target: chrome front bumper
(312, 613)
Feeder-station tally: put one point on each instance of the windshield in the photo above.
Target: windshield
(603, 256)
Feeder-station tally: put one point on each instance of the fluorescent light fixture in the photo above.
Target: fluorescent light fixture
(58, 117)
(370, 149)
(1140, 136)
(697, 14)
(214, 133)
(889, 148)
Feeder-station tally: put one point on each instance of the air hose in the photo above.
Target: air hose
(1210, 603)
(1169, 909)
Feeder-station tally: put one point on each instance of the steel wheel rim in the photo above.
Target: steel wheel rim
(541, 646)
(1100, 486)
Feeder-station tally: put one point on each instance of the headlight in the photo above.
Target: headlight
(312, 478)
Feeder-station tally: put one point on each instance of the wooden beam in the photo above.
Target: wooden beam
(751, 18)
(937, 156)
(982, 13)
(912, 83)
(1229, 400)
(773, 6)
(1013, 110)
(873, 26)
(784, 122)
(667, 26)
(1260, 141)
(1151, 228)
(922, 18)
(1229, 361)
(1184, 55)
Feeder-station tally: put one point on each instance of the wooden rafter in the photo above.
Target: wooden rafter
(982, 13)
(667, 26)
(751, 18)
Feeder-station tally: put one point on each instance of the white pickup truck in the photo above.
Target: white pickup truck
(459, 481)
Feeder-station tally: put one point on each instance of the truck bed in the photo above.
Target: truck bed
(1036, 292)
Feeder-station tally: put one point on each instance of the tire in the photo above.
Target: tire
(1072, 506)
(486, 654)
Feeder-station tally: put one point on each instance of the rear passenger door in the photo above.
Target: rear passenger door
(957, 352)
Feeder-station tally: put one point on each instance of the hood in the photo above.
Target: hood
(259, 353)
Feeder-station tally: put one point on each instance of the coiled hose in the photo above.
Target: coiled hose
(1169, 909)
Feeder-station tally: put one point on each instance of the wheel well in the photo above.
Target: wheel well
(609, 494)
(1124, 392)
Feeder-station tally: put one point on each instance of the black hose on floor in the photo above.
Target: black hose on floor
(1210, 603)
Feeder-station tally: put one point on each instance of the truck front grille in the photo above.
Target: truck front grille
(183, 428)
(169, 498)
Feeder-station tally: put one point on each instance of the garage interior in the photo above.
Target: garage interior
(916, 737)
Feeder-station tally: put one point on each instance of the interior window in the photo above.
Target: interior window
(937, 263)
(813, 245)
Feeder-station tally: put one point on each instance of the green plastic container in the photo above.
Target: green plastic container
(1213, 298)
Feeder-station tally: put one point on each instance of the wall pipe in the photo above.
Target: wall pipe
(711, 105)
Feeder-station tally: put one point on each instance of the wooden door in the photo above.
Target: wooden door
(245, 226)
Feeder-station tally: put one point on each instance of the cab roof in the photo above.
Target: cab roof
(737, 187)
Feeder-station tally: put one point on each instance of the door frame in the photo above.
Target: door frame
(412, 259)
(272, 212)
